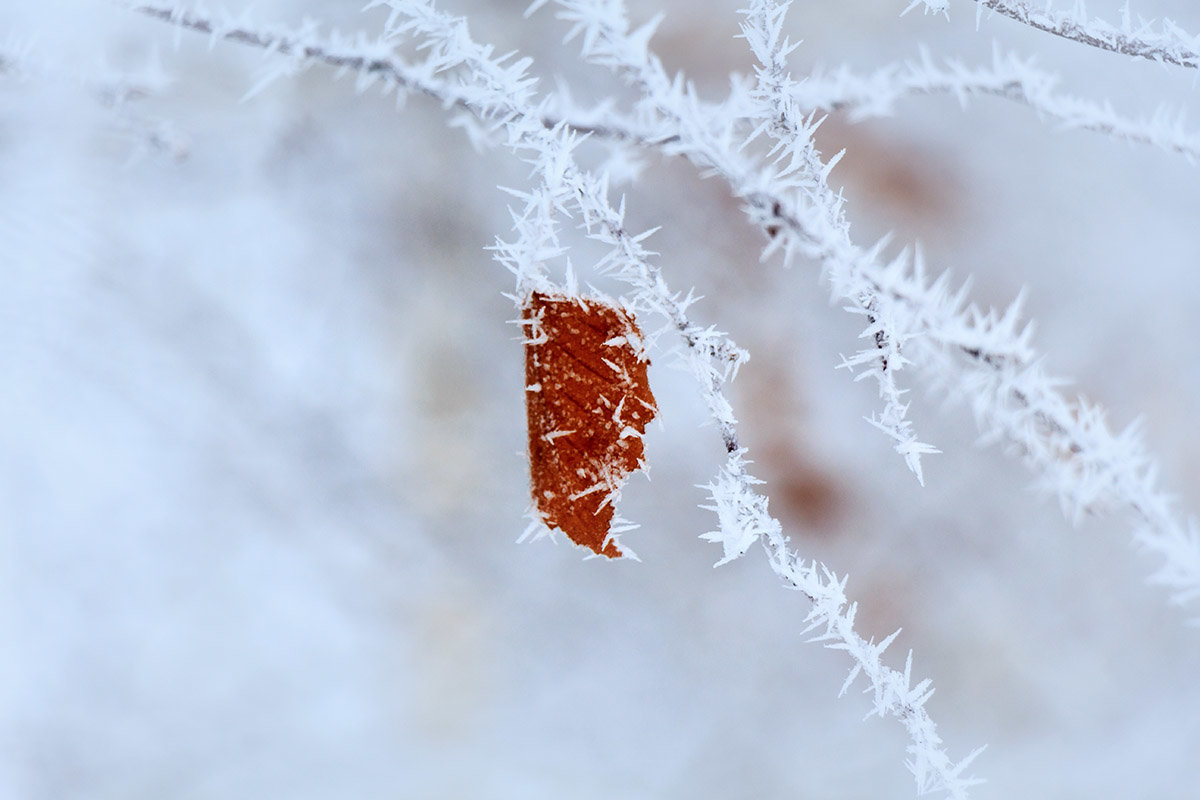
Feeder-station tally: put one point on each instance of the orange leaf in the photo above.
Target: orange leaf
(588, 402)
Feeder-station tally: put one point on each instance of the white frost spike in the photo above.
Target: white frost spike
(741, 511)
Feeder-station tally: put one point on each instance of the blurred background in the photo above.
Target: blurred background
(262, 434)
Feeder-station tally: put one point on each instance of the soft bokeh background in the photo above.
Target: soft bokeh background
(261, 436)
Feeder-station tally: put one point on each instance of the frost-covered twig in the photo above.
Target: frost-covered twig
(790, 190)
(988, 359)
(504, 100)
(1168, 43)
(985, 356)
(893, 692)
(743, 512)
(1009, 77)
(374, 61)
(1080, 459)
(371, 60)
(1090, 468)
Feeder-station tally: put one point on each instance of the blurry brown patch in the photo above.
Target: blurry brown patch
(588, 401)
(905, 182)
(805, 492)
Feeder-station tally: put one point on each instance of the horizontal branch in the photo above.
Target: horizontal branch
(1170, 44)
(1008, 77)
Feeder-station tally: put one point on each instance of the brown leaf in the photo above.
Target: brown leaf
(588, 403)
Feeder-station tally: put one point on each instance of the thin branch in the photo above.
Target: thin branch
(741, 510)
(1008, 77)
(710, 137)
(982, 356)
(1169, 44)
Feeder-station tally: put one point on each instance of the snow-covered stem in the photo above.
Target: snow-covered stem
(1008, 77)
(863, 96)
(1090, 468)
(833, 615)
(988, 360)
(981, 355)
(743, 512)
(1167, 43)
(505, 100)
(371, 60)
(374, 62)
(788, 198)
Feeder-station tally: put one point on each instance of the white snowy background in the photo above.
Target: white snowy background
(261, 436)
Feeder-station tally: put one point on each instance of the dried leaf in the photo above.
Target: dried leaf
(588, 403)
